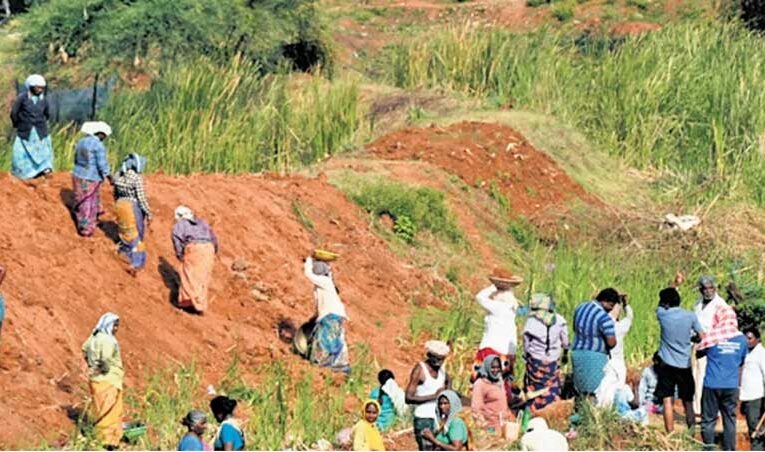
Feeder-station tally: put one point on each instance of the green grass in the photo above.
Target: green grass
(203, 117)
(652, 101)
(286, 409)
(423, 208)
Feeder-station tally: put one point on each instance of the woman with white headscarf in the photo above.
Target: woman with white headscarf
(106, 375)
(91, 168)
(32, 148)
(133, 211)
(195, 246)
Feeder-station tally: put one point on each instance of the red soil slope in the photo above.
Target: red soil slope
(482, 154)
(58, 285)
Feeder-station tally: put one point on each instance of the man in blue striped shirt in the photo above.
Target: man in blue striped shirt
(595, 335)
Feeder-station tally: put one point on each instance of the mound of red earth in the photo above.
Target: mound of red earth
(58, 285)
(487, 155)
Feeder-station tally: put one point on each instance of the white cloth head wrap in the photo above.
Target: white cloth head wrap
(439, 348)
(94, 127)
(34, 80)
(184, 213)
(106, 324)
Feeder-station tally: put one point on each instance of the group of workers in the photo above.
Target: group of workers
(698, 361)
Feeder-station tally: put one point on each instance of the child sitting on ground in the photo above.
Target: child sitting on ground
(647, 386)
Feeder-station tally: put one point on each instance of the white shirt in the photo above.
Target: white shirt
(706, 313)
(753, 375)
(499, 330)
(544, 440)
(324, 293)
(622, 328)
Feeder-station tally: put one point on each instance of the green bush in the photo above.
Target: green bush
(563, 11)
(412, 208)
(106, 33)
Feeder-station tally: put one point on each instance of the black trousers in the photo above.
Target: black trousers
(724, 402)
(752, 411)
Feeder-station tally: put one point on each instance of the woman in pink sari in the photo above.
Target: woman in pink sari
(91, 168)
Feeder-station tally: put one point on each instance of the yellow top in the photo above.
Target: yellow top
(367, 437)
(103, 348)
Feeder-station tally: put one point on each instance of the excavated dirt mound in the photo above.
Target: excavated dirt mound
(487, 155)
(58, 285)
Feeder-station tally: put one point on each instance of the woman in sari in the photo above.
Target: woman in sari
(91, 168)
(545, 340)
(366, 436)
(328, 345)
(452, 432)
(102, 355)
(489, 402)
(133, 212)
(229, 435)
(32, 148)
(195, 246)
(196, 423)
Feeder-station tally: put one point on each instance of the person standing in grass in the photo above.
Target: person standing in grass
(196, 423)
(499, 331)
(427, 380)
(752, 392)
(195, 246)
(229, 435)
(104, 361)
(32, 147)
(726, 349)
(705, 309)
(545, 342)
(366, 436)
(674, 367)
(91, 168)
(622, 328)
(595, 335)
(133, 212)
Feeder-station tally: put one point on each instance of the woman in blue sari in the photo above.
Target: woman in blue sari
(32, 148)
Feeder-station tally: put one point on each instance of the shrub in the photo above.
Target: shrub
(412, 208)
(106, 33)
(563, 11)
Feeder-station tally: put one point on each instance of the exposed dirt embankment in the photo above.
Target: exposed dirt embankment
(58, 285)
(491, 156)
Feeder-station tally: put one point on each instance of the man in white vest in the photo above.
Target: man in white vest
(427, 380)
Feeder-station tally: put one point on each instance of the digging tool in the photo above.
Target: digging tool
(758, 432)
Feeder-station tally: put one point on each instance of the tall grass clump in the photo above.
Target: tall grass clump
(203, 117)
(655, 100)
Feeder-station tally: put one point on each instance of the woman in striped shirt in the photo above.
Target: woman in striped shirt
(133, 212)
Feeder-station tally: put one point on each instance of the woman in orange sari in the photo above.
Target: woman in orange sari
(106, 374)
(196, 246)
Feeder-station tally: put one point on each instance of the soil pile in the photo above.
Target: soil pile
(491, 156)
(59, 284)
